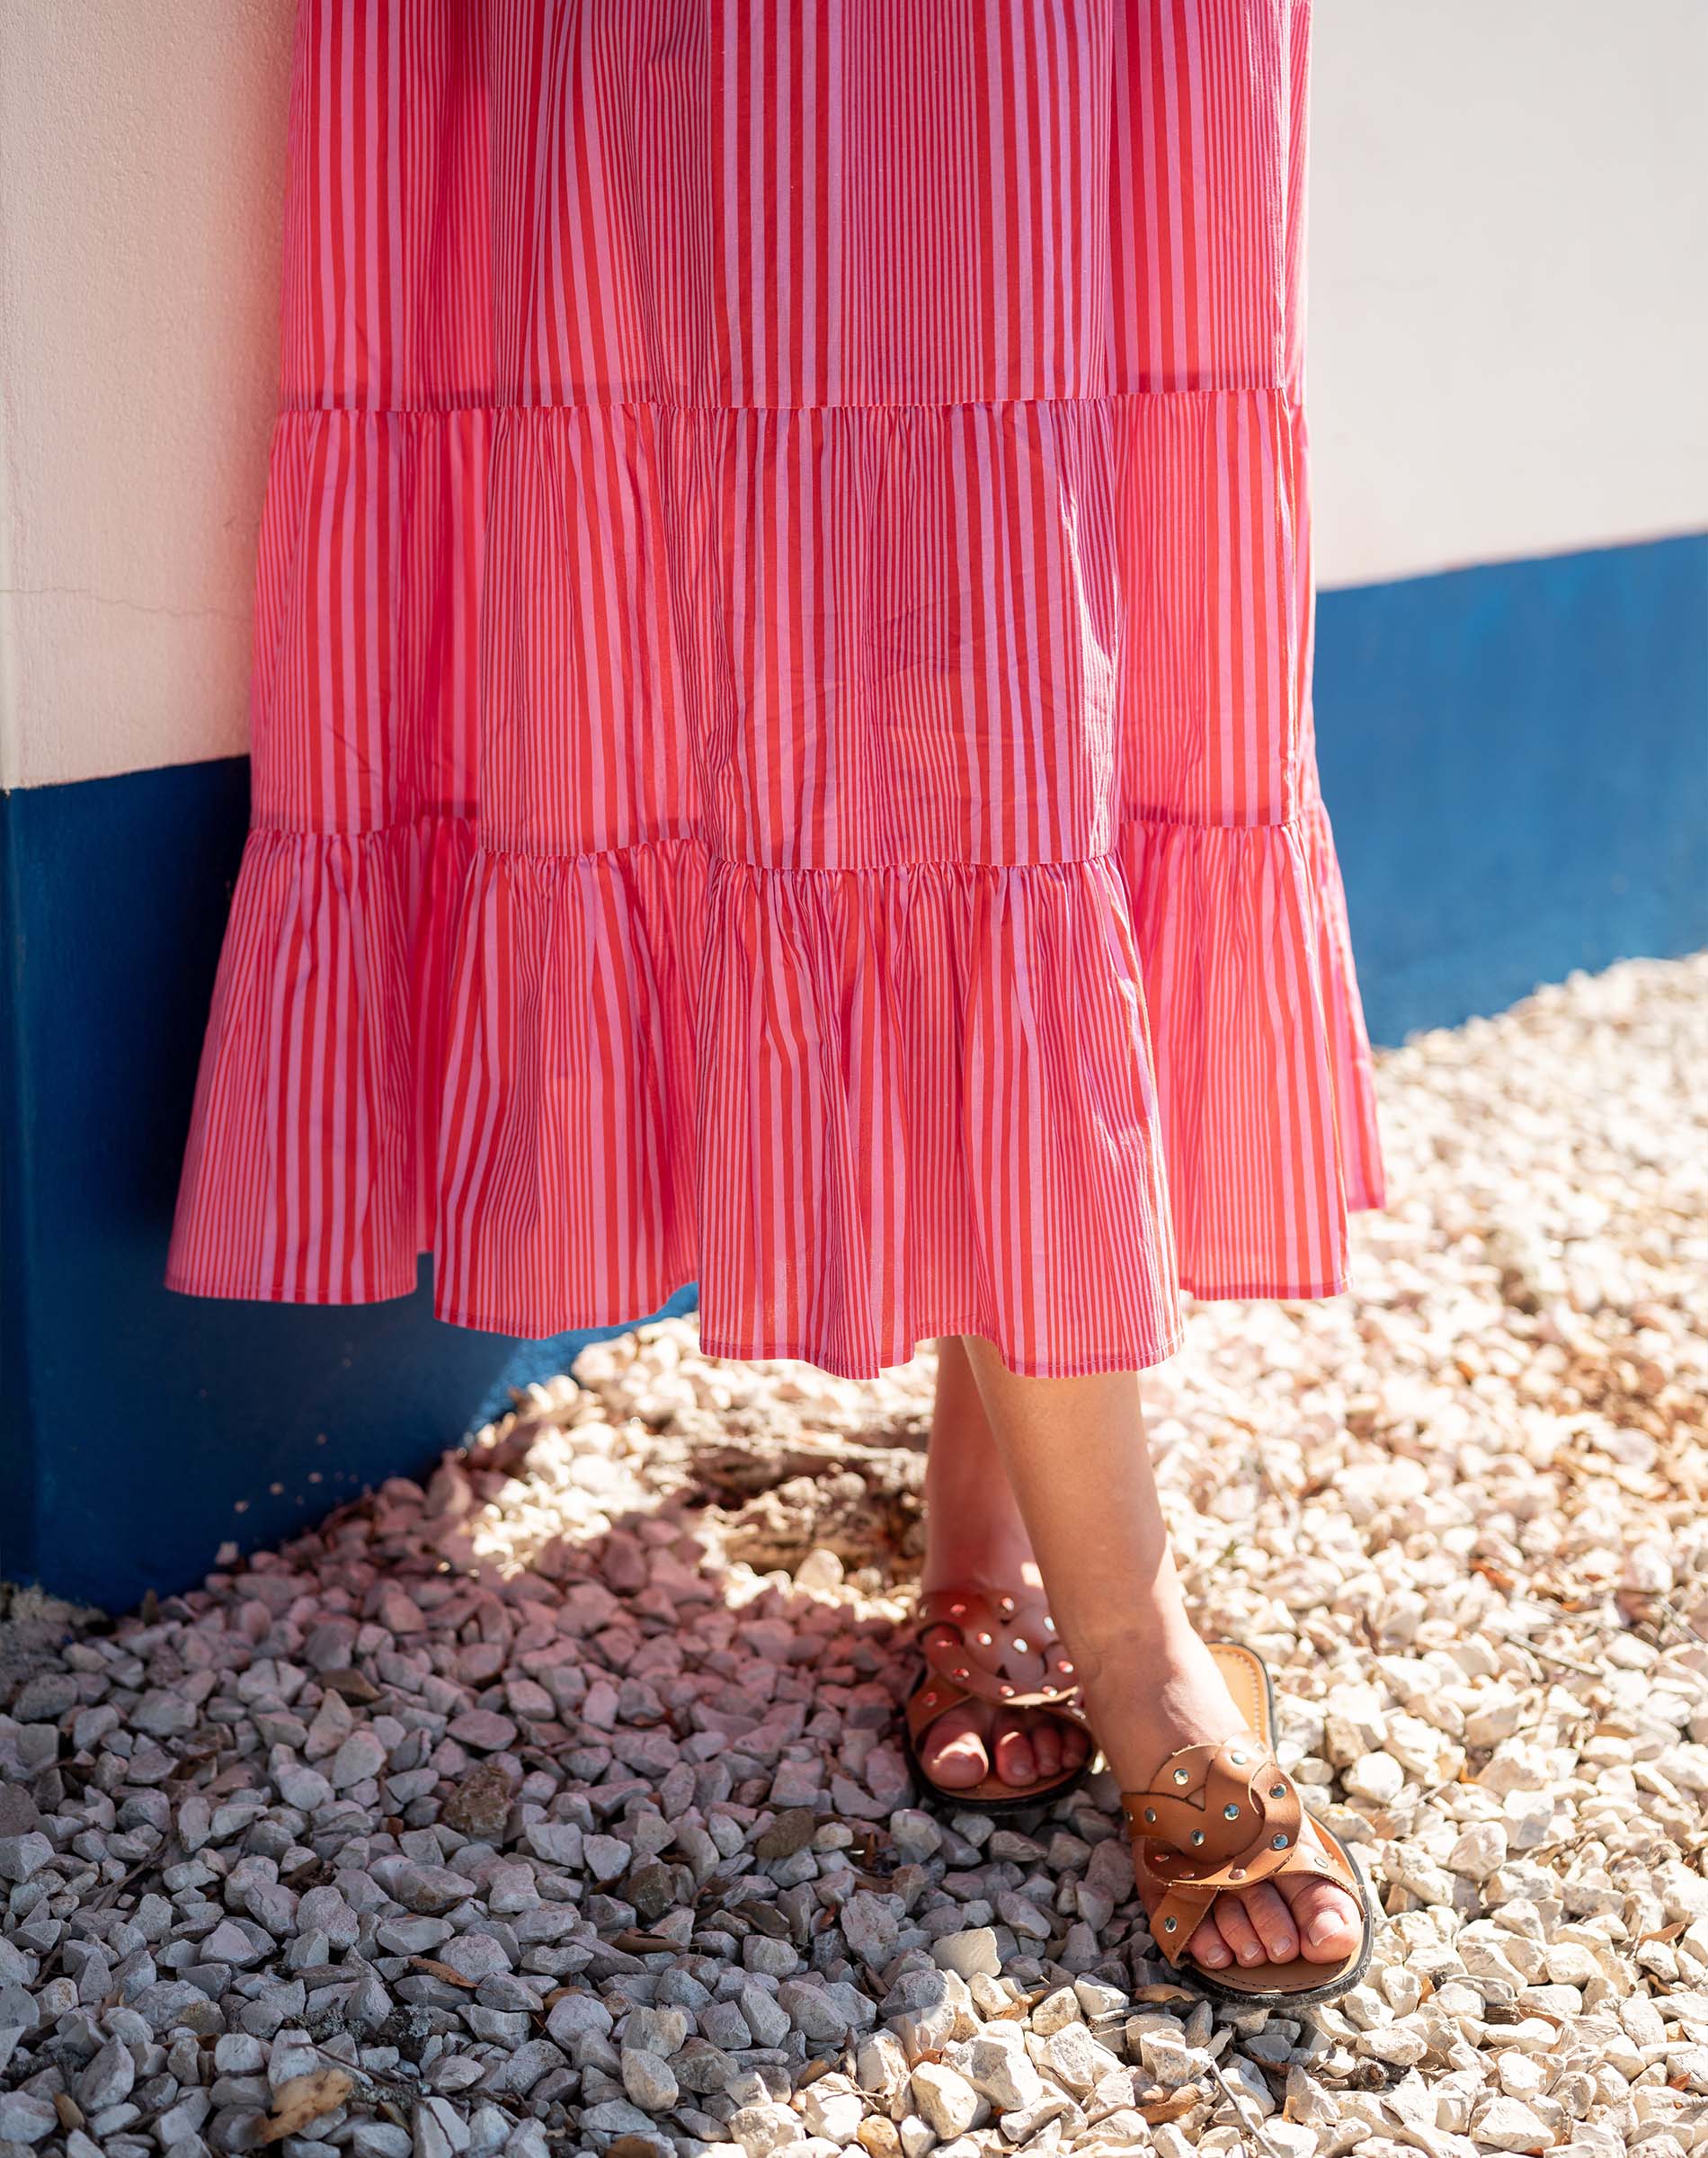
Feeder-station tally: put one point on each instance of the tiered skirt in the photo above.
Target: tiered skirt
(855, 849)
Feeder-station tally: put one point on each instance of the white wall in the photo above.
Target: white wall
(1507, 343)
(1509, 349)
(141, 167)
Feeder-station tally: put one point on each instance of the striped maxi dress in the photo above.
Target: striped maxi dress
(782, 735)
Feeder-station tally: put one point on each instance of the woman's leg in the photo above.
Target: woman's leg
(976, 1538)
(1079, 1465)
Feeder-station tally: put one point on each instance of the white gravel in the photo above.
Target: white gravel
(558, 1806)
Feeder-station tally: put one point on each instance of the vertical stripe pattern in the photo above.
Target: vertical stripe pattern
(782, 736)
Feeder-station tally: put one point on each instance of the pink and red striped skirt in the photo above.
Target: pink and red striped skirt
(782, 740)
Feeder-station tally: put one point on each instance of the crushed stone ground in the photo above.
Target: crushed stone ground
(558, 1806)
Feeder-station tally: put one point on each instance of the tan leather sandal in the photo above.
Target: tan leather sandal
(1225, 1816)
(1001, 1648)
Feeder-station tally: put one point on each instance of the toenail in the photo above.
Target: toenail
(1285, 1946)
(1250, 1955)
(1324, 1930)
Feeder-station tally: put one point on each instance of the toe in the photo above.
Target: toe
(1047, 1747)
(1331, 1924)
(1237, 1930)
(1016, 1761)
(1076, 1746)
(953, 1751)
(1209, 1948)
(1273, 1923)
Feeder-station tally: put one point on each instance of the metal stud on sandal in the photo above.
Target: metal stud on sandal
(1001, 1647)
(1225, 1816)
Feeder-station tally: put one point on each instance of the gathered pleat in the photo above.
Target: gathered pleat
(922, 1112)
(310, 1175)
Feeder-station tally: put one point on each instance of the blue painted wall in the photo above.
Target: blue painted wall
(139, 1429)
(1517, 762)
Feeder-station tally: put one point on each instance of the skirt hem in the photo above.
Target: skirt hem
(825, 1093)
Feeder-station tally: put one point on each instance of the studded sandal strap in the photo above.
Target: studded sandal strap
(995, 1647)
(1221, 1815)
(1176, 1918)
(1182, 1909)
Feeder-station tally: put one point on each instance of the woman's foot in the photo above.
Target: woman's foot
(1147, 1707)
(975, 1540)
(1078, 1469)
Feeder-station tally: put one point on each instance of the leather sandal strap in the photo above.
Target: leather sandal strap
(1185, 1905)
(996, 1647)
(1220, 1816)
(991, 1645)
(1176, 1918)
(935, 1697)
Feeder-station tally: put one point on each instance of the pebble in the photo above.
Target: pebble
(1480, 1852)
(812, 2011)
(1075, 2059)
(558, 1801)
(1167, 2059)
(761, 2129)
(480, 1805)
(107, 2080)
(946, 2101)
(1377, 1777)
(765, 2015)
(648, 2079)
(967, 1953)
(1507, 2124)
(833, 2110)
(482, 1730)
(999, 2069)
(429, 1890)
(22, 1857)
(359, 1760)
(24, 2117)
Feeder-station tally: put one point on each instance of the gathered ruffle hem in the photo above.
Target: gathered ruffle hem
(861, 1109)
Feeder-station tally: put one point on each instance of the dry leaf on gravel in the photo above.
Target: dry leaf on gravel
(302, 2100)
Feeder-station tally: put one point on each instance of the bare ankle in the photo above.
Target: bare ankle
(1149, 1633)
